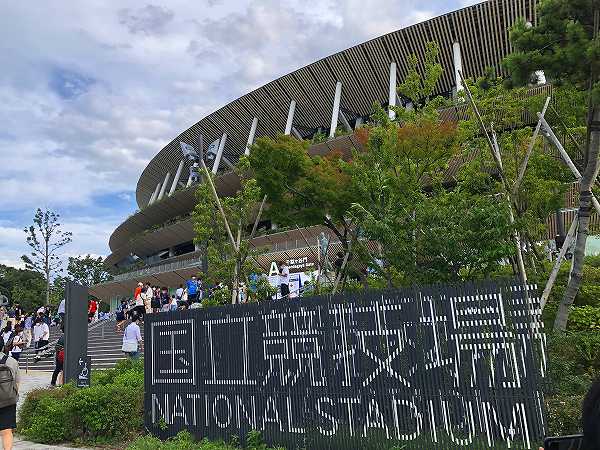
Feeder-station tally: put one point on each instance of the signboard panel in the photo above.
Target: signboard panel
(76, 328)
(84, 371)
(424, 367)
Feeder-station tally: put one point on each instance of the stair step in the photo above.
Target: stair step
(104, 346)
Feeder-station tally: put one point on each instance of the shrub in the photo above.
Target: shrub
(45, 417)
(584, 318)
(185, 441)
(573, 364)
(111, 408)
(564, 414)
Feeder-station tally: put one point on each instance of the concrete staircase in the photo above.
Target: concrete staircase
(104, 346)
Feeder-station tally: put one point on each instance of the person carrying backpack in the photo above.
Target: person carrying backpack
(9, 395)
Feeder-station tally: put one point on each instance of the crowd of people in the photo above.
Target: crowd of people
(154, 299)
(20, 330)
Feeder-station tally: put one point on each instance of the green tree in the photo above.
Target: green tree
(87, 270)
(23, 286)
(566, 46)
(228, 263)
(418, 86)
(303, 190)
(388, 180)
(45, 239)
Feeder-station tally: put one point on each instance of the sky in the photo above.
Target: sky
(91, 90)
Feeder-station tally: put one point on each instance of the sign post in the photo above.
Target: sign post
(76, 330)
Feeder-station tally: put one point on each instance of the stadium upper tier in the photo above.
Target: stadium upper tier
(341, 88)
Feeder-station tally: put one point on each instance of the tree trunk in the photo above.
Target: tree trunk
(235, 284)
(583, 222)
(47, 289)
(47, 270)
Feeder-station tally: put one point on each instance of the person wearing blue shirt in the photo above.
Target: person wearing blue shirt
(192, 288)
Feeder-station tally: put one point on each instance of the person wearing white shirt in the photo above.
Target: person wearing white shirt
(41, 334)
(7, 333)
(284, 279)
(18, 342)
(61, 310)
(132, 338)
(179, 293)
(147, 296)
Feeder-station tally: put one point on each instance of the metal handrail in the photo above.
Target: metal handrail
(168, 267)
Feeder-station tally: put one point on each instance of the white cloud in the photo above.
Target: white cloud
(86, 102)
(90, 235)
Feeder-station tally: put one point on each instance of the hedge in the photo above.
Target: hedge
(573, 364)
(185, 441)
(111, 408)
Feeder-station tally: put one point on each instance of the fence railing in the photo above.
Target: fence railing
(159, 268)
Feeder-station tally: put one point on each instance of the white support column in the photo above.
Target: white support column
(290, 118)
(336, 108)
(392, 92)
(251, 135)
(296, 133)
(457, 66)
(164, 186)
(177, 176)
(189, 181)
(342, 117)
(154, 195)
(358, 123)
(215, 167)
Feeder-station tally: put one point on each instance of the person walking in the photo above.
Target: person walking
(27, 328)
(165, 298)
(14, 346)
(179, 293)
(18, 312)
(92, 308)
(9, 395)
(7, 334)
(62, 310)
(173, 304)
(121, 315)
(138, 298)
(147, 296)
(59, 358)
(284, 280)
(41, 335)
(132, 338)
(192, 290)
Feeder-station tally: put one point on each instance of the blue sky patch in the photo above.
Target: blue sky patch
(68, 84)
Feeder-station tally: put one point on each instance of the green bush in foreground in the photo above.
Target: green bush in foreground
(573, 364)
(111, 408)
(185, 441)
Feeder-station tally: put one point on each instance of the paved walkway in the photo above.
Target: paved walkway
(30, 381)
(26, 445)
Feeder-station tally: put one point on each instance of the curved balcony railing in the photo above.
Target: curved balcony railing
(158, 268)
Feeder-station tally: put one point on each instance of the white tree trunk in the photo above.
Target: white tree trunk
(583, 222)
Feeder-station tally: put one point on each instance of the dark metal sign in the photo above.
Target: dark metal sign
(442, 367)
(76, 328)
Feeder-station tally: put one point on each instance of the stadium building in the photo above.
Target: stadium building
(328, 98)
